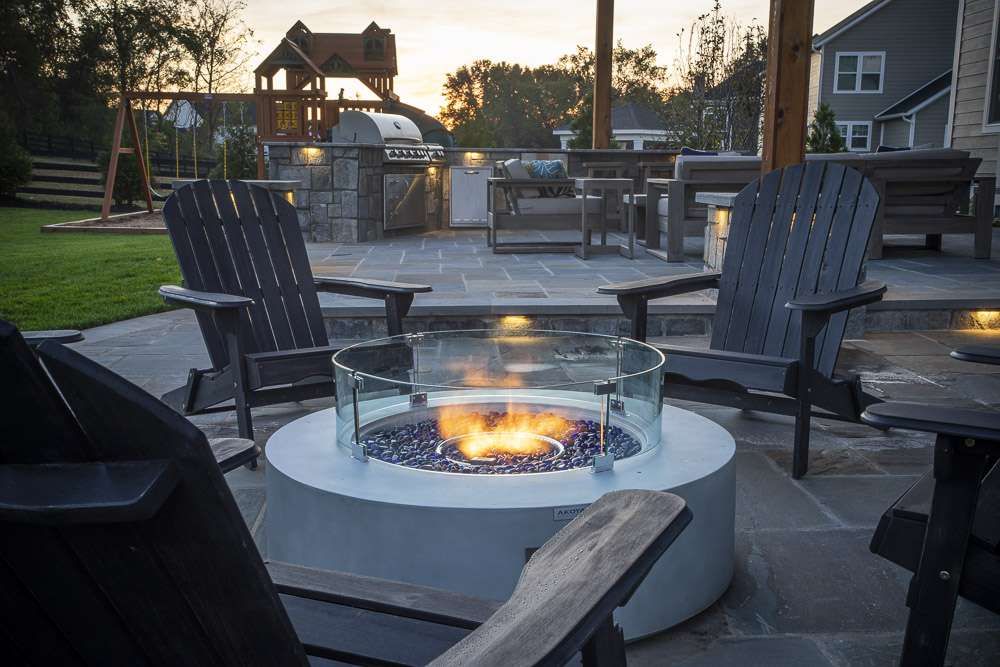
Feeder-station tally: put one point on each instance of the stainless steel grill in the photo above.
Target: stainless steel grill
(404, 144)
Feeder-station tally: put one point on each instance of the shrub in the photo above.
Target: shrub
(128, 185)
(15, 163)
(241, 154)
(824, 137)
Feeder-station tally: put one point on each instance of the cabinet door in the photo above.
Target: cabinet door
(468, 196)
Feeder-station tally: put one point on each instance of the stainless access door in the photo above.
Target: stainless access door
(405, 200)
(468, 196)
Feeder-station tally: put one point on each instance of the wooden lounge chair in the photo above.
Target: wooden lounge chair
(946, 527)
(247, 277)
(123, 545)
(790, 276)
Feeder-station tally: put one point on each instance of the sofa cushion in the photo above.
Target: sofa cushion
(686, 165)
(694, 151)
(514, 168)
(921, 154)
(557, 205)
(661, 206)
(548, 170)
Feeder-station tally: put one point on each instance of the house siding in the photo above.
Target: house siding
(896, 133)
(971, 68)
(931, 123)
(815, 65)
(918, 38)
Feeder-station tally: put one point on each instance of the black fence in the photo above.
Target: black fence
(160, 164)
(71, 147)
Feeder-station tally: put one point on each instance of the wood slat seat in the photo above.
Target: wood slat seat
(123, 545)
(791, 275)
(247, 277)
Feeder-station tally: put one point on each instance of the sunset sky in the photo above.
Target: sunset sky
(434, 37)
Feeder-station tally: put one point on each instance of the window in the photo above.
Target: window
(859, 72)
(374, 46)
(856, 134)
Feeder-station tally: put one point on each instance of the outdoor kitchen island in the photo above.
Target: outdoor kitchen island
(452, 456)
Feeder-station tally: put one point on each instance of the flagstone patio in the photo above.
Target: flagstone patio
(806, 590)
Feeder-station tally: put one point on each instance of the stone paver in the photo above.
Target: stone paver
(806, 589)
(462, 270)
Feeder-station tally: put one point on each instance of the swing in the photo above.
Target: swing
(149, 170)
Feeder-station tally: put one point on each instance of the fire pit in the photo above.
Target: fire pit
(454, 454)
(513, 402)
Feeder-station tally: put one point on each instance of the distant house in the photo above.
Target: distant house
(885, 71)
(631, 126)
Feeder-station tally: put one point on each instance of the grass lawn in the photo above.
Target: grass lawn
(75, 281)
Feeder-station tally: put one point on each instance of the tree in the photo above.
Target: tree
(240, 154)
(219, 47)
(15, 163)
(635, 77)
(824, 137)
(720, 69)
(35, 40)
(137, 41)
(491, 104)
(502, 105)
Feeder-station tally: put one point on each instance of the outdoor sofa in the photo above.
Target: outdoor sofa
(677, 213)
(926, 192)
(519, 201)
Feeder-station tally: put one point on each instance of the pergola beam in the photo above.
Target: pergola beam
(603, 45)
(789, 48)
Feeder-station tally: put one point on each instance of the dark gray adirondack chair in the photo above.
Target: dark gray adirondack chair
(247, 277)
(123, 545)
(797, 242)
(946, 527)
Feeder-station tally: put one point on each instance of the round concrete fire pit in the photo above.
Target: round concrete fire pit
(429, 477)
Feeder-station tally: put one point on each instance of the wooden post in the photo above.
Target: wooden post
(789, 48)
(124, 113)
(603, 46)
(116, 146)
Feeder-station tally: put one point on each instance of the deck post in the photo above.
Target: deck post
(603, 45)
(789, 48)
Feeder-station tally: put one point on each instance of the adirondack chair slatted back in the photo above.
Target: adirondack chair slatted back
(240, 239)
(797, 231)
(184, 587)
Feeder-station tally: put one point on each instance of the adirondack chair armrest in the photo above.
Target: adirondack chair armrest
(656, 288)
(834, 302)
(978, 425)
(36, 338)
(367, 287)
(573, 584)
(980, 354)
(65, 494)
(212, 301)
(384, 596)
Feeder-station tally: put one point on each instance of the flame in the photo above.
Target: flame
(515, 433)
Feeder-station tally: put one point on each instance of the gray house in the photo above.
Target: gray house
(974, 119)
(885, 70)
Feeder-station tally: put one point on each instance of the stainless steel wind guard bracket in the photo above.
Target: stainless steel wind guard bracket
(358, 451)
